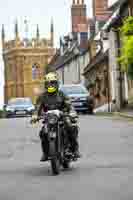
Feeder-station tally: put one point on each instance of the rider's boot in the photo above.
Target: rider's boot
(44, 151)
(77, 154)
(43, 158)
(75, 144)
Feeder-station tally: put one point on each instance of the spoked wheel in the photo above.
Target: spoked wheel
(66, 164)
(55, 162)
(55, 165)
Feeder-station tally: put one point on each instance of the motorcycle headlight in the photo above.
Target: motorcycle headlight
(52, 119)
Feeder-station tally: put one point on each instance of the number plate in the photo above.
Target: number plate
(20, 112)
(77, 103)
(52, 134)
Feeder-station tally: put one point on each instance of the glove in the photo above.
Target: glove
(34, 119)
(73, 114)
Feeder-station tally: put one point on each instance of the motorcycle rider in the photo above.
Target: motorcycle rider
(53, 98)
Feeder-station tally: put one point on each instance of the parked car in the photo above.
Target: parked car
(19, 107)
(80, 97)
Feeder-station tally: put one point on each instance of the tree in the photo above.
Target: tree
(126, 58)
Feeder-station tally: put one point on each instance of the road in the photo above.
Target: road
(105, 171)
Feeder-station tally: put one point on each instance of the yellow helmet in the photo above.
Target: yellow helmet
(51, 82)
(51, 77)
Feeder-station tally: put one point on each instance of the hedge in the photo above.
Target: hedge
(2, 113)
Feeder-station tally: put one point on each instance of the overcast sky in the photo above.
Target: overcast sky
(36, 12)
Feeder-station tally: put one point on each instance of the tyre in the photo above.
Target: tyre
(90, 111)
(55, 162)
(66, 164)
(55, 166)
(52, 148)
(8, 116)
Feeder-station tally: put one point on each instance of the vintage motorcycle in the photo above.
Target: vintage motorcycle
(54, 128)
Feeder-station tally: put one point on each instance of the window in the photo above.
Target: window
(35, 71)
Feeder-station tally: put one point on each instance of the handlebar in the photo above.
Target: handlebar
(64, 114)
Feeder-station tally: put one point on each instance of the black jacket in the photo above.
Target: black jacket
(53, 101)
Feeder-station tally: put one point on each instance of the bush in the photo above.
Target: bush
(2, 113)
(126, 58)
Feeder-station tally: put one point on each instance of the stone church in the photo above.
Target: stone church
(25, 61)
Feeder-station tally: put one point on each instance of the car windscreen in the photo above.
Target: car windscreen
(19, 102)
(68, 90)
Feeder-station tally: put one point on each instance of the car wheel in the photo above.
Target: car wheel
(90, 111)
(7, 116)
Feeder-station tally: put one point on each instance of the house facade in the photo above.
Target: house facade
(70, 64)
(121, 86)
(73, 55)
(104, 61)
(97, 78)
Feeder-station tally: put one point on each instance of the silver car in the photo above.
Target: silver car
(19, 107)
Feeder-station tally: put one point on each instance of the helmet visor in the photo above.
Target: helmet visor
(51, 84)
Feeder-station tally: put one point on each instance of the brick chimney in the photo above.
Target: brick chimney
(79, 21)
(100, 11)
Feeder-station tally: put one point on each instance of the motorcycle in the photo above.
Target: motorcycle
(54, 128)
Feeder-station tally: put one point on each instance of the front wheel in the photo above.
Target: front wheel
(55, 165)
(55, 162)
(66, 164)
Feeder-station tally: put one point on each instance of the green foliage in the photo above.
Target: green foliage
(1, 113)
(127, 28)
(126, 58)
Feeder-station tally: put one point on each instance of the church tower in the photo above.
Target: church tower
(24, 62)
(79, 21)
(52, 32)
(37, 33)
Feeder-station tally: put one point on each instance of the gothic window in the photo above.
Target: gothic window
(13, 73)
(35, 71)
(10, 72)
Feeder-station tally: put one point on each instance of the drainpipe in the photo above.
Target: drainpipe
(120, 73)
(130, 7)
(79, 76)
(63, 75)
(108, 86)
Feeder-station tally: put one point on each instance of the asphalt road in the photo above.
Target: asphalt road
(105, 172)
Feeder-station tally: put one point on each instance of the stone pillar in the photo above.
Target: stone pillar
(113, 71)
(125, 88)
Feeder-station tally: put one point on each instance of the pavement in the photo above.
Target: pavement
(105, 171)
(126, 113)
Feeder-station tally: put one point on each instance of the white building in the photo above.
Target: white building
(70, 64)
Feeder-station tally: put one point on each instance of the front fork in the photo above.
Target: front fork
(56, 141)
